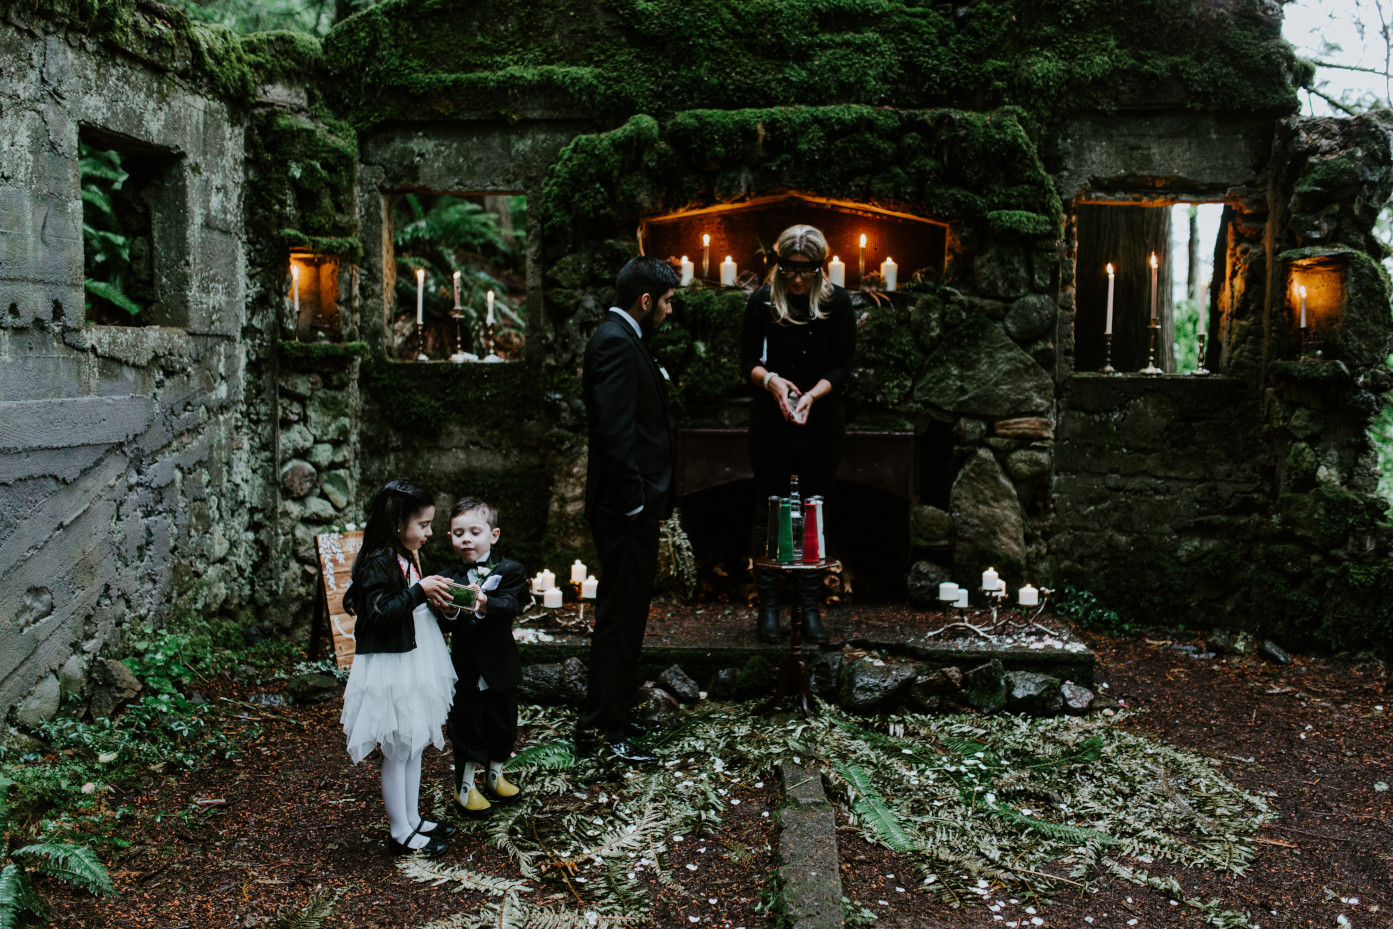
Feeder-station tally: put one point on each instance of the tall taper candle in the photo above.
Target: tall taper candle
(488, 316)
(1153, 288)
(705, 256)
(861, 270)
(1204, 307)
(1302, 291)
(1107, 326)
(295, 287)
(457, 306)
(420, 296)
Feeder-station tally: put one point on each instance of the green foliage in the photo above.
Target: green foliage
(1083, 55)
(300, 182)
(313, 914)
(314, 17)
(1084, 607)
(72, 864)
(106, 255)
(1381, 436)
(699, 345)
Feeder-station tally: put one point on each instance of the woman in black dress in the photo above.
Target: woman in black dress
(797, 343)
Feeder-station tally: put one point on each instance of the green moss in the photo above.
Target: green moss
(1021, 223)
(300, 183)
(614, 58)
(699, 345)
(324, 351)
(888, 356)
(418, 398)
(283, 56)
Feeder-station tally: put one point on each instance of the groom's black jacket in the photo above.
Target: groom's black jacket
(626, 404)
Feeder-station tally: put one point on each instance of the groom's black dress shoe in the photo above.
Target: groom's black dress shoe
(641, 730)
(625, 751)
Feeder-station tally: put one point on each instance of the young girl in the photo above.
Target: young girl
(402, 683)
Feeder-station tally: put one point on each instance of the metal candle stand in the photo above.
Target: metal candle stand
(1107, 360)
(1200, 369)
(1151, 370)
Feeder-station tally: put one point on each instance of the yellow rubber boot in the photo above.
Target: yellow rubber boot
(499, 787)
(474, 803)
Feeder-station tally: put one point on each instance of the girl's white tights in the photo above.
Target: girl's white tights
(401, 795)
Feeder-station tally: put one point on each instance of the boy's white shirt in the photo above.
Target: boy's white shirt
(490, 583)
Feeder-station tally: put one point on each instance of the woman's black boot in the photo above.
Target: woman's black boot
(813, 631)
(767, 622)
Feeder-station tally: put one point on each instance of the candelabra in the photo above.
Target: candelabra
(1200, 369)
(1107, 361)
(994, 598)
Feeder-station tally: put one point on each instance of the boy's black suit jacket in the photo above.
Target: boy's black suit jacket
(626, 408)
(486, 646)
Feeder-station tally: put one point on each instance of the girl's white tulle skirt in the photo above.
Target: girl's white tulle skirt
(399, 700)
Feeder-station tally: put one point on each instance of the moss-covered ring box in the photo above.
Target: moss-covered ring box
(462, 595)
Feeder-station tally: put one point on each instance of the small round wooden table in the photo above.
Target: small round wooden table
(794, 666)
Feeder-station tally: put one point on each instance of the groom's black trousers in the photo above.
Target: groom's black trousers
(628, 564)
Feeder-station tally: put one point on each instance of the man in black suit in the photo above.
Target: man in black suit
(628, 489)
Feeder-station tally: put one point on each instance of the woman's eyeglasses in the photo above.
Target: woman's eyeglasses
(799, 270)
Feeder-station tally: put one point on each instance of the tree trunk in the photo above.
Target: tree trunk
(1192, 275)
(1126, 236)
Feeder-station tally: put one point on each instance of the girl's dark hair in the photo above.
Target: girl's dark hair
(390, 509)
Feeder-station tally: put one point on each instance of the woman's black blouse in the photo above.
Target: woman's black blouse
(818, 349)
(383, 605)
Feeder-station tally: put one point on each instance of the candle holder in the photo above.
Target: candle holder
(1200, 369)
(1311, 347)
(1107, 357)
(995, 598)
(1151, 370)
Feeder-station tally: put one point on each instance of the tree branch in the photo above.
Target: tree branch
(1340, 67)
(1333, 102)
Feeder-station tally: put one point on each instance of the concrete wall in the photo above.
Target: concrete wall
(122, 449)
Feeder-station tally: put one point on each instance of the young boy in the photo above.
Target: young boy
(484, 717)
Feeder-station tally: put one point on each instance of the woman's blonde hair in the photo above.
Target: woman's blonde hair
(807, 242)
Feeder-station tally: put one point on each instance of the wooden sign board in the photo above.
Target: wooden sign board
(336, 553)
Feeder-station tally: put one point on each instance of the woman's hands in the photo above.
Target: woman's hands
(803, 407)
(787, 395)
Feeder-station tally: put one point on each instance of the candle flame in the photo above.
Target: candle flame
(420, 274)
(490, 295)
(1153, 261)
(1109, 267)
(295, 272)
(706, 240)
(456, 277)
(684, 259)
(835, 258)
(1302, 290)
(728, 258)
(863, 240)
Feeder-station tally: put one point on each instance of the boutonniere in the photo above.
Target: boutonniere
(663, 371)
(482, 571)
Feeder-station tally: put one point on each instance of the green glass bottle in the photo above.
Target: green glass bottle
(785, 530)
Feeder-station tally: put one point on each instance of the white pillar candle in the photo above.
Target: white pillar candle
(420, 296)
(488, 317)
(705, 256)
(1107, 326)
(457, 306)
(836, 271)
(551, 599)
(589, 588)
(962, 599)
(1302, 291)
(948, 591)
(688, 272)
(989, 579)
(861, 269)
(548, 580)
(1153, 288)
(537, 583)
(728, 272)
(295, 287)
(890, 272)
(1204, 307)
(578, 572)
(1028, 596)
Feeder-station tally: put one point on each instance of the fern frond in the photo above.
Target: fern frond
(1075, 835)
(312, 915)
(73, 864)
(420, 869)
(547, 755)
(872, 811)
(457, 921)
(16, 896)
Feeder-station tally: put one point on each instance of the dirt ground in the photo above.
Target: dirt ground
(236, 843)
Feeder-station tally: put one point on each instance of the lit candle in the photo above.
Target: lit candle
(688, 270)
(1153, 288)
(1028, 596)
(577, 572)
(488, 316)
(890, 272)
(705, 256)
(548, 580)
(989, 579)
(962, 599)
(1107, 327)
(589, 588)
(728, 272)
(836, 271)
(1204, 307)
(420, 296)
(1302, 291)
(457, 306)
(861, 270)
(537, 583)
(295, 287)
(551, 599)
(948, 591)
